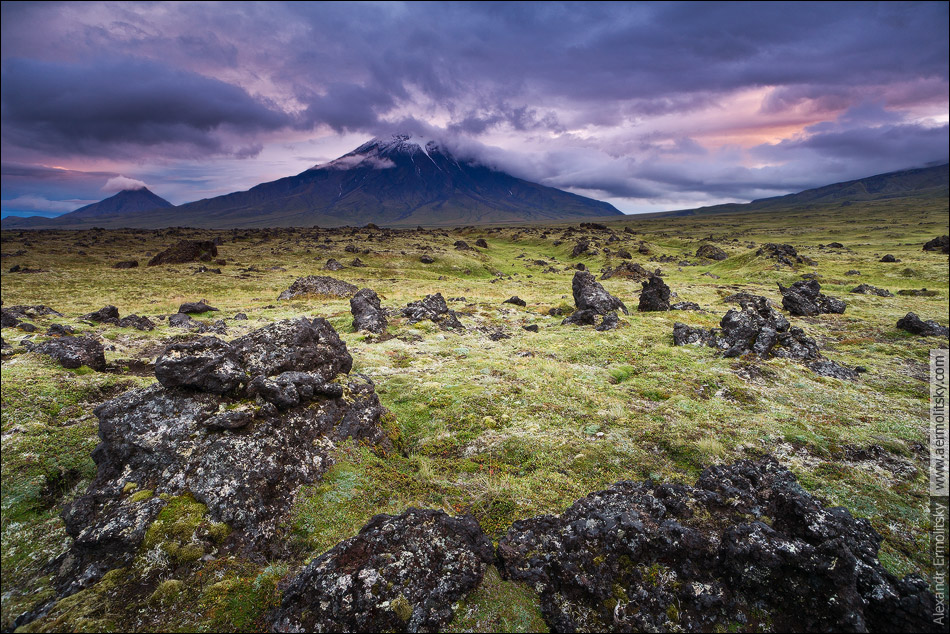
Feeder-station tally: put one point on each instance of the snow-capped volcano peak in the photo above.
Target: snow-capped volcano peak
(381, 152)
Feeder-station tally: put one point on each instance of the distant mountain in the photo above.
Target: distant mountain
(402, 180)
(127, 203)
(926, 181)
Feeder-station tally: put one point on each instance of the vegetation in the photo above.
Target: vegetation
(501, 429)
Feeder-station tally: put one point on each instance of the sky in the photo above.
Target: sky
(649, 106)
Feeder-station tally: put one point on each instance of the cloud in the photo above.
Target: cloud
(126, 108)
(121, 183)
(40, 204)
(351, 161)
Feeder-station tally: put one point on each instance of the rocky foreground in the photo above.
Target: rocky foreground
(238, 427)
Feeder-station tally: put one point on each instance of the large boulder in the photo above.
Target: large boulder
(759, 330)
(804, 298)
(589, 294)
(196, 308)
(186, 251)
(242, 452)
(783, 253)
(13, 315)
(73, 352)
(711, 251)
(628, 270)
(400, 573)
(367, 311)
(745, 545)
(433, 308)
(917, 326)
(867, 289)
(318, 286)
(940, 244)
(655, 295)
(105, 315)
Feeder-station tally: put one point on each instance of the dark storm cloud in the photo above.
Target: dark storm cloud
(118, 106)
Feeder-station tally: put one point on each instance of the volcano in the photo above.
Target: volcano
(399, 180)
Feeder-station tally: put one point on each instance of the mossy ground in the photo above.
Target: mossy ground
(501, 429)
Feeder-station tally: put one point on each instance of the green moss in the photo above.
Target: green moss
(498, 606)
(141, 496)
(182, 530)
(401, 608)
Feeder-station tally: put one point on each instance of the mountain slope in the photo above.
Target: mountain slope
(926, 181)
(397, 181)
(127, 203)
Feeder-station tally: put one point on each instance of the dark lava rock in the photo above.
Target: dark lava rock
(609, 322)
(236, 453)
(630, 271)
(711, 252)
(240, 317)
(824, 367)
(589, 294)
(784, 253)
(208, 365)
(917, 292)
(105, 315)
(531, 328)
(8, 319)
(517, 301)
(186, 251)
(889, 258)
(655, 295)
(180, 320)
(318, 286)
(139, 323)
(745, 542)
(623, 254)
(399, 574)
(60, 330)
(852, 272)
(867, 289)
(580, 248)
(126, 264)
(462, 245)
(426, 259)
(941, 244)
(835, 245)
(685, 306)
(805, 298)
(914, 324)
(367, 312)
(73, 352)
(757, 329)
(332, 265)
(195, 308)
(356, 262)
(27, 312)
(351, 248)
(481, 244)
(26, 326)
(433, 308)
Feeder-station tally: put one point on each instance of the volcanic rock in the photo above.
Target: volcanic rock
(332, 265)
(398, 574)
(941, 244)
(126, 264)
(589, 294)
(195, 308)
(867, 289)
(105, 315)
(433, 308)
(186, 251)
(60, 330)
(580, 248)
(805, 298)
(236, 453)
(784, 253)
(889, 258)
(711, 252)
(367, 312)
(745, 539)
(426, 259)
(134, 321)
(318, 286)
(481, 244)
(628, 270)
(915, 325)
(655, 295)
(517, 301)
(73, 352)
